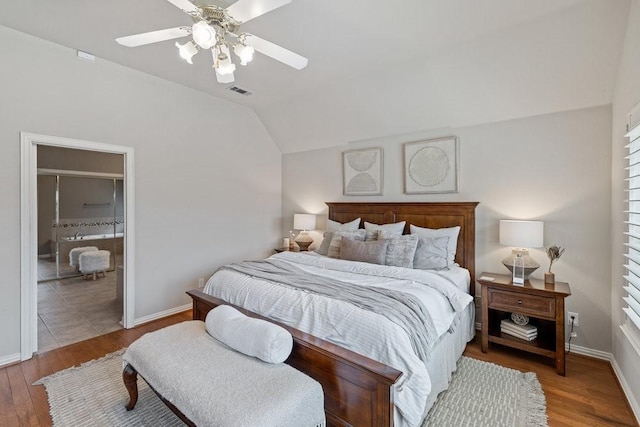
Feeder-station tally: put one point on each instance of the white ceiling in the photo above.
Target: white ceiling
(376, 68)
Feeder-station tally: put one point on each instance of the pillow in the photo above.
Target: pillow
(374, 251)
(348, 226)
(336, 240)
(401, 249)
(323, 249)
(254, 337)
(451, 233)
(431, 253)
(370, 235)
(397, 228)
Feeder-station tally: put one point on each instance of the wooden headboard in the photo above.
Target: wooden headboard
(431, 215)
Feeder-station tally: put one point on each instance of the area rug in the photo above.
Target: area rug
(481, 394)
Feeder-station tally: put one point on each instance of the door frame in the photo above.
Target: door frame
(29, 231)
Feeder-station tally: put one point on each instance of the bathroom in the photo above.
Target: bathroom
(80, 205)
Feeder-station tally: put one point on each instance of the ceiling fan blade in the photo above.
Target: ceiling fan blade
(279, 53)
(185, 5)
(245, 10)
(153, 36)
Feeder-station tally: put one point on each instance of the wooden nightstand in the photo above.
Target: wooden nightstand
(295, 249)
(542, 302)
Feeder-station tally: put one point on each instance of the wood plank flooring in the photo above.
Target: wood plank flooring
(588, 396)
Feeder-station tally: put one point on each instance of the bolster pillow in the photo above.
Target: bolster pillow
(254, 337)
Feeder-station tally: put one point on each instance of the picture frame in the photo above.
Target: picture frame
(431, 166)
(362, 172)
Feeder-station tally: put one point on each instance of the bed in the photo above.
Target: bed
(359, 390)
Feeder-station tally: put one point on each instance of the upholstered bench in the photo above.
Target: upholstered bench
(207, 383)
(74, 255)
(94, 262)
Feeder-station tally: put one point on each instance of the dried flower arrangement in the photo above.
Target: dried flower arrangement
(554, 253)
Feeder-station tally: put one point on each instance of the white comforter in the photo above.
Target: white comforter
(341, 323)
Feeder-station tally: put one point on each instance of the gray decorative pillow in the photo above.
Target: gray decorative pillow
(336, 240)
(451, 233)
(401, 249)
(374, 251)
(323, 249)
(370, 235)
(431, 253)
(395, 229)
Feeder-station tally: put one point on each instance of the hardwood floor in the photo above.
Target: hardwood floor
(588, 396)
(23, 404)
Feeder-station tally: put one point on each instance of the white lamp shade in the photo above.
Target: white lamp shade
(521, 234)
(304, 222)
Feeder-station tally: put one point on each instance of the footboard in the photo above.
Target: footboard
(357, 390)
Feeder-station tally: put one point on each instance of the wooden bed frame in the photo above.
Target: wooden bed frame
(358, 390)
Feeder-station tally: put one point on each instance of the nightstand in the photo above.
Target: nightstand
(295, 249)
(542, 302)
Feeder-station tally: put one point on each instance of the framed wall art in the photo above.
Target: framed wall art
(362, 172)
(431, 166)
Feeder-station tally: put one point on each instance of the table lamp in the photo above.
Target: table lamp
(304, 222)
(521, 235)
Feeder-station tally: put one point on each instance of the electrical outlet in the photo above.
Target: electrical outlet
(201, 282)
(576, 319)
(574, 335)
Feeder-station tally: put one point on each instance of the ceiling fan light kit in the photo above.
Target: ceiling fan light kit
(212, 30)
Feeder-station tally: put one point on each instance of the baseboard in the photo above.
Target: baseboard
(635, 406)
(42, 256)
(9, 360)
(161, 314)
(585, 351)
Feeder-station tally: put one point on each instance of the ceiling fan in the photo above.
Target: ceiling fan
(217, 29)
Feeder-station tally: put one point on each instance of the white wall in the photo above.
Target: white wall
(555, 168)
(627, 95)
(207, 174)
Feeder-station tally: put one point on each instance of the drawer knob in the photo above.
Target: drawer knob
(519, 301)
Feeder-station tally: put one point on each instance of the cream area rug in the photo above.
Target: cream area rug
(480, 394)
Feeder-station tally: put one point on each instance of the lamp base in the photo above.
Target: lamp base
(304, 240)
(530, 264)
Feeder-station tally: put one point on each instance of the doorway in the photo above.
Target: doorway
(105, 224)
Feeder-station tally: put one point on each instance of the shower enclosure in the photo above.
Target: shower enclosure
(77, 209)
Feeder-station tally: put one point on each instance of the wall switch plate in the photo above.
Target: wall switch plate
(576, 319)
(201, 282)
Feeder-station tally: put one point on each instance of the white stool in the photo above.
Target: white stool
(94, 262)
(74, 255)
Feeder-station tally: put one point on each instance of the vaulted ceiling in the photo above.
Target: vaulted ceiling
(376, 68)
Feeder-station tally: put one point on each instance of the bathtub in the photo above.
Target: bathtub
(93, 237)
(112, 242)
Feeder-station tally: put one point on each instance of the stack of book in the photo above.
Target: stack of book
(525, 332)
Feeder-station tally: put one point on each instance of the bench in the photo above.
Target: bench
(207, 383)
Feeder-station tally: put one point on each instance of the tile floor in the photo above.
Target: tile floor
(47, 269)
(74, 309)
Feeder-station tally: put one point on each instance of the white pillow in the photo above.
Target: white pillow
(395, 229)
(254, 337)
(451, 233)
(349, 226)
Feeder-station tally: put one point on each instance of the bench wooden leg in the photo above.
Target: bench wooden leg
(130, 377)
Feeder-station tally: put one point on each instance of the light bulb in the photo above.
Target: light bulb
(244, 52)
(187, 51)
(223, 64)
(203, 34)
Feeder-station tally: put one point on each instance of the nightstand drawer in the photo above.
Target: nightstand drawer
(526, 304)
